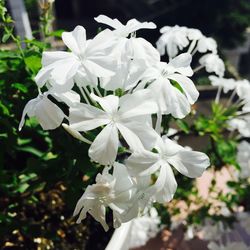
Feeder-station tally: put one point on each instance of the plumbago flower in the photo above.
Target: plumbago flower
(128, 115)
(213, 63)
(87, 58)
(48, 114)
(113, 191)
(189, 163)
(123, 86)
(169, 98)
(242, 124)
(131, 47)
(175, 39)
(172, 39)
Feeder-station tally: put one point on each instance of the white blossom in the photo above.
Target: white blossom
(207, 44)
(172, 39)
(213, 63)
(170, 99)
(144, 228)
(127, 48)
(113, 191)
(126, 115)
(226, 84)
(87, 57)
(242, 124)
(189, 163)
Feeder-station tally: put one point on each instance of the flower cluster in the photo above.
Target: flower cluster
(116, 86)
(175, 39)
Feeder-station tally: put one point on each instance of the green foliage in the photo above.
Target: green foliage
(33, 162)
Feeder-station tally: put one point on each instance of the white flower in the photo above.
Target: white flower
(144, 228)
(207, 44)
(243, 89)
(113, 191)
(128, 115)
(170, 99)
(48, 114)
(213, 63)
(89, 58)
(194, 34)
(189, 163)
(133, 47)
(124, 30)
(128, 74)
(226, 84)
(243, 158)
(172, 40)
(242, 124)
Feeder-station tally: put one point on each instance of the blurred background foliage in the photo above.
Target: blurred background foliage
(42, 174)
(225, 20)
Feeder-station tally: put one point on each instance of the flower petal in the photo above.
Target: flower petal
(190, 163)
(75, 40)
(109, 103)
(140, 162)
(84, 117)
(130, 137)
(165, 186)
(188, 87)
(48, 114)
(105, 146)
(139, 103)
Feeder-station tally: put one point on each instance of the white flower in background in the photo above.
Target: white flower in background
(144, 228)
(131, 47)
(176, 38)
(128, 115)
(242, 124)
(228, 246)
(207, 44)
(226, 84)
(172, 40)
(88, 57)
(113, 191)
(194, 34)
(213, 63)
(243, 89)
(189, 163)
(170, 99)
(246, 107)
(243, 158)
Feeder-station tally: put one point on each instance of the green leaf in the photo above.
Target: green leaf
(23, 187)
(6, 37)
(4, 108)
(33, 62)
(20, 87)
(30, 150)
(183, 126)
(57, 33)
